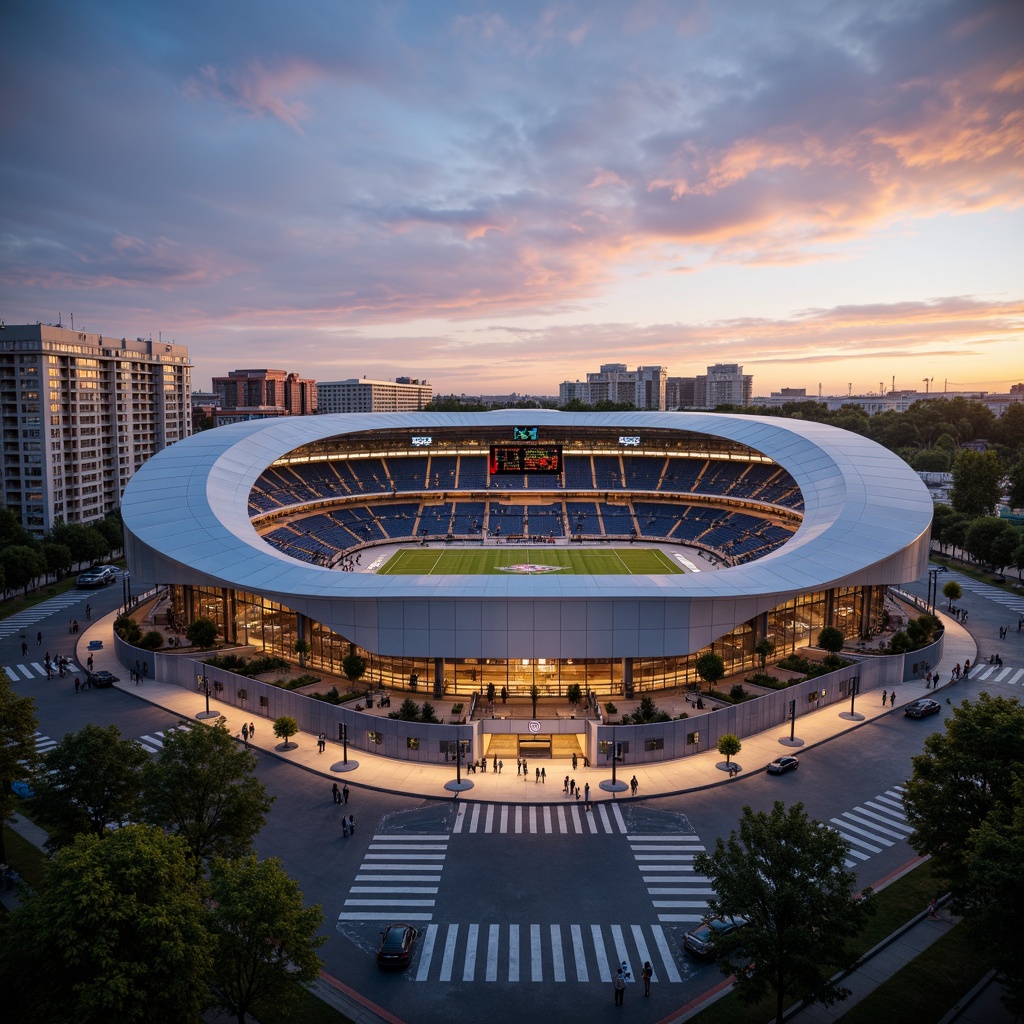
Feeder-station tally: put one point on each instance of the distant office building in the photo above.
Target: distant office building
(643, 388)
(256, 391)
(403, 394)
(892, 401)
(724, 384)
(81, 413)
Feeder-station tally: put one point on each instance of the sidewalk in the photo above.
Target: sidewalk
(408, 778)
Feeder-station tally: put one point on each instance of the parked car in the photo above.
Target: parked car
(700, 941)
(396, 945)
(99, 576)
(921, 707)
(783, 764)
(101, 680)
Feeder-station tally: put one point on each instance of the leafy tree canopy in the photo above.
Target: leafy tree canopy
(784, 872)
(18, 758)
(204, 789)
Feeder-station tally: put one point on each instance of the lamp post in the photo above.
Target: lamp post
(203, 682)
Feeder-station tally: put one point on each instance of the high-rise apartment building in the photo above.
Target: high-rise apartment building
(723, 384)
(262, 391)
(643, 388)
(403, 394)
(81, 413)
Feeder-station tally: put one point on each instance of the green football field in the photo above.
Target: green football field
(545, 559)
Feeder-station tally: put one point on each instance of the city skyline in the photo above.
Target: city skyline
(500, 197)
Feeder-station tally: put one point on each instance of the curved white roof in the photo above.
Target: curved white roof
(866, 521)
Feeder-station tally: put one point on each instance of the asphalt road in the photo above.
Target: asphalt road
(527, 915)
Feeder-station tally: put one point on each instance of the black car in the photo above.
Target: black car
(97, 576)
(101, 680)
(396, 945)
(782, 764)
(700, 941)
(921, 707)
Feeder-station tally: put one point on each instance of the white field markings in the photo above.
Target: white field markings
(398, 879)
(666, 866)
(477, 818)
(874, 826)
(531, 952)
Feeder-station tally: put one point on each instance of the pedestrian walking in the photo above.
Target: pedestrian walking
(145, 670)
(892, 699)
(633, 785)
(321, 742)
(647, 973)
(572, 786)
(501, 764)
(565, 786)
(24, 649)
(88, 663)
(620, 988)
(543, 775)
(39, 639)
(344, 826)
(336, 793)
(88, 612)
(519, 766)
(352, 824)
(526, 770)
(574, 762)
(885, 695)
(494, 766)
(536, 777)
(344, 793)
(586, 797)
(245, 732)
(933, 910)
(252, 729)
(78, 684)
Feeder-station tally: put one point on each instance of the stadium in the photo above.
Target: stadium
(528, 549)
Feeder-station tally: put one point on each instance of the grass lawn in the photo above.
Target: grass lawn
(491, 561)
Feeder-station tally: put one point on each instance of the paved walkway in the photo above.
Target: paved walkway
(428, 780)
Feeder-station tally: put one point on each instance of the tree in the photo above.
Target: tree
(729, 746)
(574, 693)
(784, 872)
(831, 640)
(151, 640)
(353, 666)
(204, 789)
(1016, 491)
(991, 541)
(285, 728)
(123, 918)
(534, 697)
(965, 802)
(266, 939)
(953, 591)
(764, 649)
(57, 558)
(710, 668)
(92, 784)
(18, 757)
(647, 711)
(22, 564)
(202, 633)
(302, 649)
(977, 483)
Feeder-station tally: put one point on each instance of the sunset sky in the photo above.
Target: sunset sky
(501, 196)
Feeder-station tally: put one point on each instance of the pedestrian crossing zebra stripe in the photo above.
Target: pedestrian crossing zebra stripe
(37, 669)
(478, 818)
(532, 952)
(398, 858)
(672, 856)
(153, 743)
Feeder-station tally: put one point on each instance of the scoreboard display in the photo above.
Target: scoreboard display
(525, 458)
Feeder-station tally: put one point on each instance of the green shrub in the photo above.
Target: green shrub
(152, 641)
(610, 709)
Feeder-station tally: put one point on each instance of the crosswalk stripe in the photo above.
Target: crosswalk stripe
(603, 970)
(641, 948)
(894, 814)
(448, 957)
(666, 956)
(985, 673)
(890, 802)
(476, 818)
(853, 839)
(427, 953)
(398, 878)
(409, 889)
(403, 846)
(513, 952)
(1016, 676)
(547, 819)
(578, 952)
(879, 828)
(491, 968)
(872, 833)
(577, 824)
(489, 823)
(536, 962)
(604, 818)
(469, 968)
(562, 824)
(558, 968)
(390, 903)
(619, 819)
(519, 819)
(504, 818)
(1002, 675)
(388, 916)
(438, 838)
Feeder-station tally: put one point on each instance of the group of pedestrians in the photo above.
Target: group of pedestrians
(960, 614)
(248, 732)
(340, 795)
(891, 696)
(570, 789)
